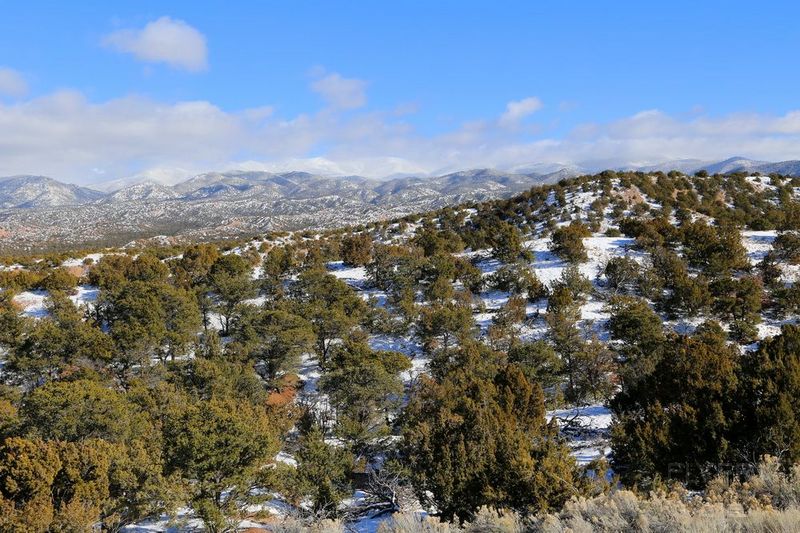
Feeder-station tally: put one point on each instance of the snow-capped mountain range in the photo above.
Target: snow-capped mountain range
(25, 192)
(36, 211)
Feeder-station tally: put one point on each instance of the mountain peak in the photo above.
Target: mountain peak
(30, 191)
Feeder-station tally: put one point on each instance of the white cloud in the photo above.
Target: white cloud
(519, 109)
(164, 40)
(340, 92)
(66, 136)
(12, 83)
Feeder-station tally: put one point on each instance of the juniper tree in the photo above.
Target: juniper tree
(230, 282)
(567, 242)
(55, 486)
(478, 437)
(365, 389)
(60, 279)
(276, 339)
(770, 398)
(538, 361)
(322, 472)
(442, 326)
(563, 313)
(621, 273)
(679, 410)
(58, 342)
(218, 447)
(356, 249)
(507, 242)
(150, 319)
(332, 307)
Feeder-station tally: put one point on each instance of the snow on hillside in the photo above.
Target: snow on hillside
(33, 303)
(586, 427)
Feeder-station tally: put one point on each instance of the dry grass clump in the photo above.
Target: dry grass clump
(768, 502)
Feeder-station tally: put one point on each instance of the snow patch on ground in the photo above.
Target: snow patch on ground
(587, 429)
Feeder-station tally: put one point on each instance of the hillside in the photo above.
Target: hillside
(650, 318)
(232, 204)
(39, 213)
(31, 192)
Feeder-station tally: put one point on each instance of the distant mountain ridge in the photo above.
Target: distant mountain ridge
(727, 166)
(36, 210)
(28, 192)
(23, 192)
(219, 205)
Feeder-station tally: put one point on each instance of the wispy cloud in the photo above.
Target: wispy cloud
(165, 40)
(12, 83)
(340, 92)
(518, 110)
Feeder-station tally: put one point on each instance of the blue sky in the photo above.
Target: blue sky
(93, 91)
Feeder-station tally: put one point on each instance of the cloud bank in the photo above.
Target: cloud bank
(165, 40)
(67, 136)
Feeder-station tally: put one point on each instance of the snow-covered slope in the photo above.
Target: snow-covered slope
(145, 191)
(26, 192)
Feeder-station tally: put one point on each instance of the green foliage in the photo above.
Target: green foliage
(85, 412)
(332, 307)
(357, 249)
(365, 389)
(433, 241)
(81, 409)
(322, 472)
(149, 319)
(716, 251)
(478, 438)
(20, 280)
(56, 486)
(218, 446)
(575, 282)
(276, 339)
(275, 270)
(633, 322)
(502, 332)
(59, 279)
(517, 278)
(27, 472)
(104, 419)
(677, 292)
(538, 361)
(147, 267)
(770, 386)
(217, 378)
(567, 242)
(12, 324)
(507, 242)
(563, 313)
(57, 343)
(621, 273)
(738, 299)
(194, 265)
(787, 247)
(395, 268)
(678, 410)
(229, 280)
(442, 326)
(110, 272)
